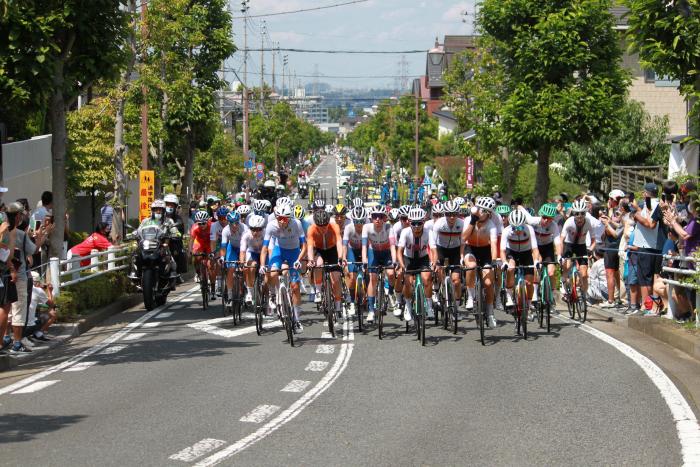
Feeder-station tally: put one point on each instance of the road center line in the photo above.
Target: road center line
(36, 387)
(296, 385)
(197, 450)
(686, 422)
(80, 366)
(316, 366)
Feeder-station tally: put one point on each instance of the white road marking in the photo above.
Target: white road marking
(260, 413)
(326, 335)
(80, 366)
(686, 422)
(36, 387)
(287, 415)
(325, 349)
(166, 314)
(113, 349)
(208, 326)
(134, 336)
(92, 350)
(151, 324)
(197, 450)
(296, 385)
(316, 366)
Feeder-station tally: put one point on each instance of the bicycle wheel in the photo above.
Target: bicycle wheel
(329, 303)
(546, 300)
(224, 308)
(257, 307)
(359, 305)
(447, 298)
(524, 310)
(570, 304)
(419, 313)
(480, 308)
(581, 307)
(287, 315)
(204, 286)
(379, 306)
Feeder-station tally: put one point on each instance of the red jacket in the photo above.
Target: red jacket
(96, 241)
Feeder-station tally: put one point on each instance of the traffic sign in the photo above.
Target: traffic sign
(260, 167)
(248, 164)
(260, 175)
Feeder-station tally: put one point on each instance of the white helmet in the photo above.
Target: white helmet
(171, 198)
(158, 203)
(243, 210)
(517, 218)
(403, 210)
(357, 203)
(579, 206)
(459, 200)
(358, 213)
(283, 200)
(439, 208)
(283, 211)
(259, 205)
(378, 209)
(269, 184)
(486, 203)
(451, 207)
(394, 214)
(616, 194)
(201, 216)
(329, 209)
(267, 205)
(256, 222)
(416, 214)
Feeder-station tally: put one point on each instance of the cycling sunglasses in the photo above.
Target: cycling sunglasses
(202, 224)
(417, 224)
(579, 214)
(378, 216)
(282, 218)
(358, 221)
(256, 229)
(451, 214)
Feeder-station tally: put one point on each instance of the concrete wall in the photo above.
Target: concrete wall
(660, 101)
(27, 168)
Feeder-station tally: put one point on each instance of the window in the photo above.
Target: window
(649, 76)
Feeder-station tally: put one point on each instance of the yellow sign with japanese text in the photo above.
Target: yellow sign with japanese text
(146, 192)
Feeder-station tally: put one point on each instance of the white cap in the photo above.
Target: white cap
(616, 194)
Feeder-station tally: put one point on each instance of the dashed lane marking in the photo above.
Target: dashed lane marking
(134, 336)
(113, 349)
(80, 366)
(296, 385)
(197, 450)
(260, 413)
(325, 349)
(36, 387)
(316, 366)
(326, 335)
(208, 326)
(166, 314)
(151, 324)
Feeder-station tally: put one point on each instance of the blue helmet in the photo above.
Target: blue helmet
(233, 217)
(221, 212)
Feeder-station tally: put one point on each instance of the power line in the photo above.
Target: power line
(313, 51)
(303, 10)
(321, 75)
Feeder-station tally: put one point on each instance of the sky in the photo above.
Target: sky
(386, 25)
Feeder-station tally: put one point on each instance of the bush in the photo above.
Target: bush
(80, 298)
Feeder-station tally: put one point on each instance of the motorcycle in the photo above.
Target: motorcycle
(303, 190)
(154, 265)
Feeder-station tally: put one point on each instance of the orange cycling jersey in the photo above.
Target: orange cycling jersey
(323, 238)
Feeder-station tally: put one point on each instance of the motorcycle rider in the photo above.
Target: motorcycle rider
(172, 203)
(158, 218)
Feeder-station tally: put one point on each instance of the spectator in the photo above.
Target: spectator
(647, 254)
(97, 241)
(597, 281)
(42, 299)
(8, 291)
(612, 232)
(107, 211)
(46, 207)
(690, 234)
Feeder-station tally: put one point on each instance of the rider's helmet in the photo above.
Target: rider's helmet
(340, 210)
(378, 209)
(283, 200)
(319, 204)
(503, 209)
(268, 206)
(416, 215)
(322, 217)
(579, 206)
(393, 215)
(357, 203)
(459, 200)
(403, 210)
(358, 214)
(171, 198)
(548, 210)
(201, 217)
(531, 211)
(158, 203)
(329, 209)
(243, 210)
(256, 222)
(233, 217)
(450, 207)
(283, 211)
(222, 212)
(517, 218)
(269, 184)
(259, 205)
(439, 208)
(486, 203)
(299, 212)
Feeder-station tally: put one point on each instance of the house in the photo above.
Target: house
(447, 122)
(347, 124)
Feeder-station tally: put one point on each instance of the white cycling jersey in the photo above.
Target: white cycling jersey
(574, 234)
(289, 238)
(397, 228)
(518, 240)
(233, 238)
(444, 236)
(215, 232)
(498, 222)
(351, 237)
(381, 240)
(250, 243)
(415, 247)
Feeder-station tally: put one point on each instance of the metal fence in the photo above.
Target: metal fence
(63, 273)
(686, 285)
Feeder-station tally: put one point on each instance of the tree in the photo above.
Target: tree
(562, 73)
(52, 50)
(638, 139)
(666, 34)
(220, 166)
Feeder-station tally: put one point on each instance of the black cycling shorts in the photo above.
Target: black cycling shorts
(576, 249)
(329, 256)
(547, 252)
(412, 264)
(452, 255)
(481, 253)
(521, 258)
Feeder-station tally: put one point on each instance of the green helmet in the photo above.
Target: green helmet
(503, 209)
(548, 210)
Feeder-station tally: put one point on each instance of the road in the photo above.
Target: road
(182, 386)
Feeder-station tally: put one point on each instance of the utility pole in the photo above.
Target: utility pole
(144, 90)
(262, 65)
(415, 161)
(284, 66)
(244, 10)
(274, 56)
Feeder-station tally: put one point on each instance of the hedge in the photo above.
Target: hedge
(83, 297)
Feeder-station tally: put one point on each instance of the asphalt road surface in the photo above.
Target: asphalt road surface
(183, 386)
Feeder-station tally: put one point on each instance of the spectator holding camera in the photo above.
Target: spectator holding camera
(8, 291)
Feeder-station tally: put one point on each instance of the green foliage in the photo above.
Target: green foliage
(525, 184)
(666, 34)
(83, 297)
(220, 166)
(638, 139)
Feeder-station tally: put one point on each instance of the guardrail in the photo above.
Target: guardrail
(63, 273)
(685, 285)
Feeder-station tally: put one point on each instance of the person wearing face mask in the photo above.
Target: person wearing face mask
(176, 247)
(8, 274)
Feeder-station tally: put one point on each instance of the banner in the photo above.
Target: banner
(146, 195)
(470, 173)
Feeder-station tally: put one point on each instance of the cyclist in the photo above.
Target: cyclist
(216, 229)
(445, 239)
(378, 249)
(573, 236)
(548, 239)
(518, 248)
(481, 238)
(231, 246)
(200, 243)
(414, 253)
(289, 247)
(397, 228)
(244, 211)
(325, 246)
(251, 245)
(340, 216)
(352, 250)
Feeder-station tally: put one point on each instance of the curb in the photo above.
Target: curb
(81, 326)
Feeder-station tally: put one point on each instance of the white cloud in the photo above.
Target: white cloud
(287, 37)
(399, 13)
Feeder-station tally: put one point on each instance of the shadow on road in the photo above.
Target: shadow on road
(17, 427)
